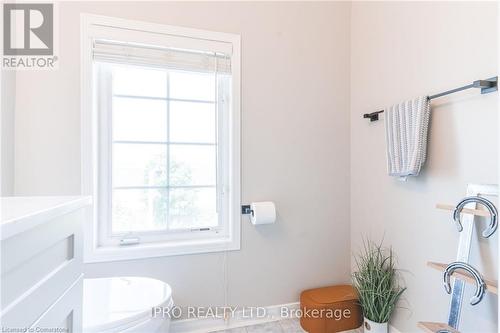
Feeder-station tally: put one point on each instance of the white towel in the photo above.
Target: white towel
(406, 127)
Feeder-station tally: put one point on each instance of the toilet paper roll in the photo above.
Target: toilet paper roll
(263, 212)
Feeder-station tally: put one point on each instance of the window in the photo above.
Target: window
(160, 139)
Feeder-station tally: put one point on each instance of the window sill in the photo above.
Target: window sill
(161, 249)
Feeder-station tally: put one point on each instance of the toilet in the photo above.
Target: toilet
(124, 304)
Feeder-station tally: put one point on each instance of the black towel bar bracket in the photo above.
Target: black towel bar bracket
(373, 116)
(486, 86)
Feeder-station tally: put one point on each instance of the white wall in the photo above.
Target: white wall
(8, 97)
(401, 50)
(295, 145)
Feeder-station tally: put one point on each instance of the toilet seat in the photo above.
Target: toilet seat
(119, 303)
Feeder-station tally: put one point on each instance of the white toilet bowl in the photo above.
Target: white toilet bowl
(124, 304)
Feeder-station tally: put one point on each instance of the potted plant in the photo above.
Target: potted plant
(378, 286)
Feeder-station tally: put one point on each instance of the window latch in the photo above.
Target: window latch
(201, 229)
(129, 241)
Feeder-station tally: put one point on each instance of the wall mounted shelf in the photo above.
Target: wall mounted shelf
(431, 327)
(476, 212)
(491, 286)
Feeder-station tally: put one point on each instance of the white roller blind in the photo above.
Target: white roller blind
(131, 53)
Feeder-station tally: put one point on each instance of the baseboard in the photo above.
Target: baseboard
(240, 319)
(393, 329)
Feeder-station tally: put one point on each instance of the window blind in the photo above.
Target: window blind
(180, 59)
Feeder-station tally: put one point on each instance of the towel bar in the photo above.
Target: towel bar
(486, 86)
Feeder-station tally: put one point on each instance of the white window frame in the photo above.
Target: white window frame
(200, 242)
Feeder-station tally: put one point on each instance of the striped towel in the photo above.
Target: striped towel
(406, 127)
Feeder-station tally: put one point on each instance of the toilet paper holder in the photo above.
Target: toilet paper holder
(263, 212)
(246, 210)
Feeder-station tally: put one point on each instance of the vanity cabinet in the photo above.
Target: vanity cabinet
(41, 262)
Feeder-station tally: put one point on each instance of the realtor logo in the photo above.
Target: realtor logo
(28, 29)
(28, 36)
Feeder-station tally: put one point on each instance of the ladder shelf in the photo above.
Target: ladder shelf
(461, 269)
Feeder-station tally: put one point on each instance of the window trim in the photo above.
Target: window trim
(90, 24)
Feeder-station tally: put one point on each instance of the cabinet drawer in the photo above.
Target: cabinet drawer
(38, 266)
(65, 315)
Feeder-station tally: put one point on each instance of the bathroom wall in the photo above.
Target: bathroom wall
(295, 145)
(8, 96)
(401, 50)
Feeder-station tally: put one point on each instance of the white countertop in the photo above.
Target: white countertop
(19, 214)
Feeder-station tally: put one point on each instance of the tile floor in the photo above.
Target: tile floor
(281, 326)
